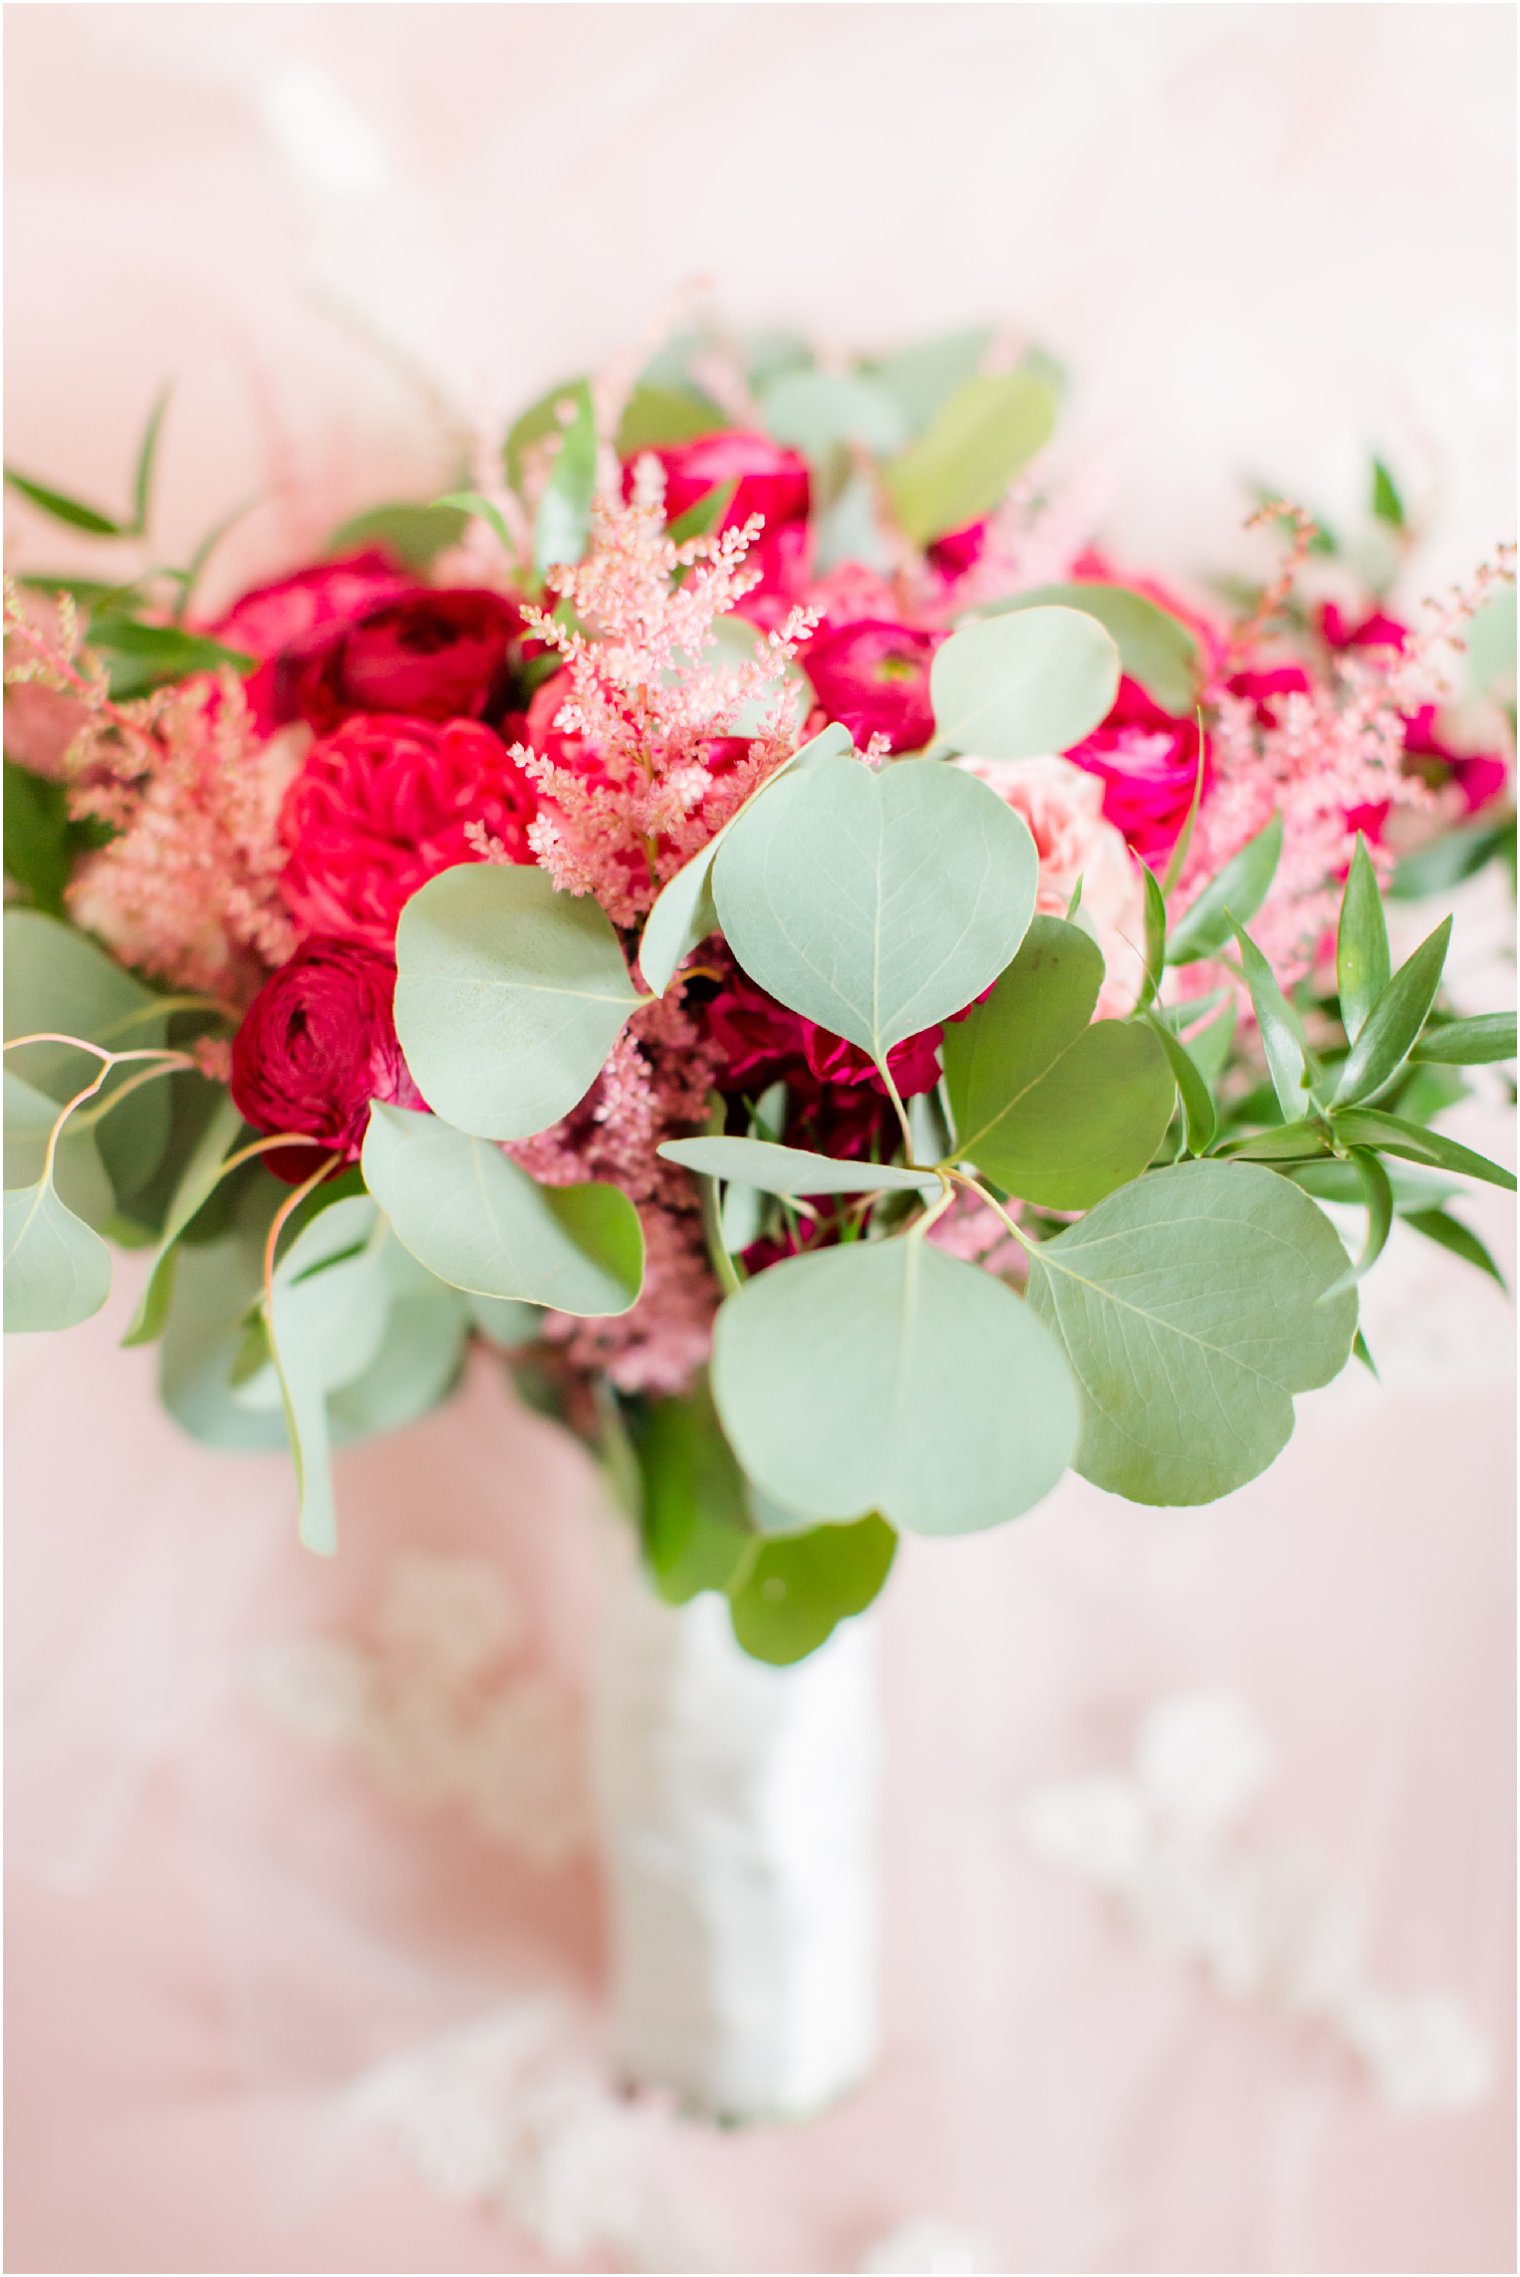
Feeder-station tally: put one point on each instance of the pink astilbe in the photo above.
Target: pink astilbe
(647, 703)
(654, 1087)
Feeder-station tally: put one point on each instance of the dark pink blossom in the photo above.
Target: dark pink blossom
(317, 1044)
(769, 480)
(873, 677)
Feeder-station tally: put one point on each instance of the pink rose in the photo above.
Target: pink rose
(770, 481)
(1147, 762)
(428, 655)
(384, 804)
(317, 1044)
(873, 677)
(269, 619)
(1063, 806)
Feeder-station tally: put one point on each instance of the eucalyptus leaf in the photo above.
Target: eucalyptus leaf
(1237, 892)
(199, 1180)
(978, 439)
(563, 521)
(504, 1321)
(876, 904)
(920, 378)
(480, 1223)
(1190, 1306)
(792, 1169)
(326, 1322)
(1155, 648)
(509, 996)
(814, 411)
(1054, 1110)
(1478, 1042)
(57, 981)
(78, 1172)
(1363, 966)
(57, 1271)
(213, 1289)
(1021, 686)
(1388, 1034)
(418, 1360)
(683, 913)
(794, 1592)
(888, 1377)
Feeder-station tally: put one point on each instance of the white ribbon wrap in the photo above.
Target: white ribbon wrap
(738, 1809)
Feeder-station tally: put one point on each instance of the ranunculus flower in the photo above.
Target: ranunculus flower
(427, 655)
(1147, 762)
(269, 619)
(761, 1040)
(771, 481)
(317, 1044)
(381, 806)
(873, 677)
(1063, 807)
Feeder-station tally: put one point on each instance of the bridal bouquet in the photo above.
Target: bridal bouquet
(738, 907)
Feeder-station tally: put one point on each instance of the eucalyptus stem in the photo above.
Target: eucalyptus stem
(975, 1186)
(281, 1218)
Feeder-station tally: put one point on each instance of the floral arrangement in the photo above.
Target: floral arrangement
(746, 912)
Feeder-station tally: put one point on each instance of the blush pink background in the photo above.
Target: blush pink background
(1263, 240)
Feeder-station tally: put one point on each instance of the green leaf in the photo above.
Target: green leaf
(1390, 1134)
(1491, 645)
(62, 508)
(1489, 1036)
(1155, 648)
(887, 1377)
(1282, 1037)
(1377, 1193)
(1054, 1110)
(1238, 891)
(534, 426)
(1388, 1034)
(78, 1171)
(814, 411)
(476, 508)
(1413, 1188)
(1363, 966)
(705, 516)
(38, 853)
(849, 530)
(657, 416)
(961, 466)
(1361, 1350)
(1450, 1233)
(58, 981)
(509, 996)
(1199, 1116)
(504, 1322)
(1155, 933)
(1387, 505)
(414, 534)
(1190, 1307)
(1442, 865)
(684, 914)
(142, 480)
(202, 1174)
(1209, 1047)
(563, 522)
(794, 1593)
(921, 377)
(213, 1290)
(326, 1322)
(57, 1271)
(1290, 1142)
(791, 1169)
(1017, 687)
(142, 656)
(694, 1518)
(875, 904)
(472, 1217)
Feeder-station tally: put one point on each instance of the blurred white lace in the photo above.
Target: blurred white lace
(437, 1707)
(1264, 1920)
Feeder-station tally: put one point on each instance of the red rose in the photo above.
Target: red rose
(269, 619)
(770, 481)
(430, 655)
(873, 677)
(383, 805)
(1147, 761)
(317, 1044)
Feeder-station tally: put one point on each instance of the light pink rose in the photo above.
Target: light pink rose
(1063, 806)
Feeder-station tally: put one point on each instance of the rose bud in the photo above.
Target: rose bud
(873, 677)
(317, 1044)
(430, 655)
(769, 480)
(383, 805)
